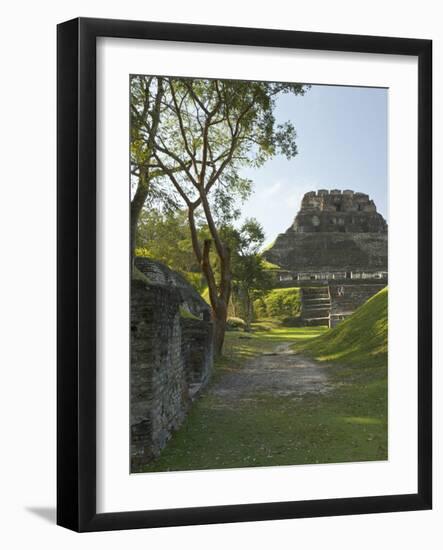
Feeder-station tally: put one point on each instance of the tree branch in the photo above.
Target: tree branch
(169, 172)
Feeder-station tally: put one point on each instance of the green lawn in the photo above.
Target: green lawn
(263, 338)
(349, 423)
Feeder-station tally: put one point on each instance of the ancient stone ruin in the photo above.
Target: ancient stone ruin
(335, 235)
(336, 250)
(171, 356)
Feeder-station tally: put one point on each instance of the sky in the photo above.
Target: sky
(342, 144)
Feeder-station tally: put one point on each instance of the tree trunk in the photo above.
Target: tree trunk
(142, 190)
(220, 315)
(136, 207)
(219, 297)
(248, 311)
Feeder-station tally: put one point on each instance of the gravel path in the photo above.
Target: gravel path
(282, 373)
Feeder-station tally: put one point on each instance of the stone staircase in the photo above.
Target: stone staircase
(316, 305)
(346, 298)
(329, 304)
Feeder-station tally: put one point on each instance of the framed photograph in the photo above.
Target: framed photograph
(233, 206)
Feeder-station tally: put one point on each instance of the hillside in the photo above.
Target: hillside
(360, 340)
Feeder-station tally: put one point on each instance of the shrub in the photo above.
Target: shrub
(279, 303)
(292, 321)
(195, 279)
(235, 323)
(260, 308)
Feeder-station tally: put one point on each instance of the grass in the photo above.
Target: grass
(360, 340)
(205, 295)
(270, 266)
(346, 424)
(263, 338)
(186, 314)
(274, 432)
(137, 275)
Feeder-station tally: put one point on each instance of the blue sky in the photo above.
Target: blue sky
(342, 143)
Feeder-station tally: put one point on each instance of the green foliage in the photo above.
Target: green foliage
(249, 276)
(165, 236)
(196, 279)
(147, 114)
(279, 303)
(361, 340)
(197, 134)
(201, 130)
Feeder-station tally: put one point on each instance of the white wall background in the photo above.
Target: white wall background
(27, 288)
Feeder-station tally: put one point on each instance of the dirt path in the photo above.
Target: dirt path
(281, 372)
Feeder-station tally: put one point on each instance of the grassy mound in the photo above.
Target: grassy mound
(361, 340)
(205, 295)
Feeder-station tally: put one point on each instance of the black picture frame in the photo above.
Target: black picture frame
(76, 296)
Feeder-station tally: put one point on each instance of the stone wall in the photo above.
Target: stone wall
(171, 359)
(302, 253)
(159, 273)
(197, 353)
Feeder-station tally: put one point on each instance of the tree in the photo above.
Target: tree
(146, 105)
(209, 130)
(149, 109)
(165, 236)
(250, 277)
